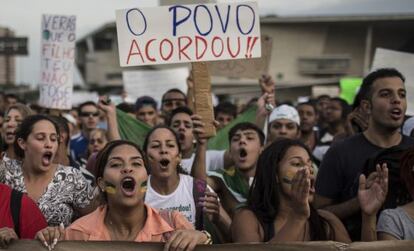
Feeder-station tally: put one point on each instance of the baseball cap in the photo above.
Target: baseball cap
(285, 112)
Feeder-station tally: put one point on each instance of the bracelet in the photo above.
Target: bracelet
(209, 240)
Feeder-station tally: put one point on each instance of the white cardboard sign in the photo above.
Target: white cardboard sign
(57, 59)
(154, 83)
(404, 63)
(188, 33)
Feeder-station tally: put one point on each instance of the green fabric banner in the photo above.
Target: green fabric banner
(349, 88)
(134, 130)
(131, 129)
(221, 141)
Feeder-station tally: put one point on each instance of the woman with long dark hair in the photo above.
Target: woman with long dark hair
(279, 208)
(61, 192)
(124, 216)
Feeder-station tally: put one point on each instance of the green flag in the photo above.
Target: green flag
(134, 130)
(221, 141)
(349, 88)
(131, 129)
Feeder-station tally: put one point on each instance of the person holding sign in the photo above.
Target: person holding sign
(124, 216)
(279, 205)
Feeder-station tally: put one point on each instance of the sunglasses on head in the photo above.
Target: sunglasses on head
(89, 114)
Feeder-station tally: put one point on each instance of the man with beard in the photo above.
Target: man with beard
(182, 124)
(386, 104)
(232, 185)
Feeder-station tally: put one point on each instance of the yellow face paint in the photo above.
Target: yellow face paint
(289, 176)
(110, 188)
(230, 171)
(143, 187)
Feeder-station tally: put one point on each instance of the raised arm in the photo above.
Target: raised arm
(110, 112)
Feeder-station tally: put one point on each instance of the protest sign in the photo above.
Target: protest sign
(404, 63)
(203, 103)
(349, 88)
(154, 83)
(247, 68)
(57, 58)
(188, 33)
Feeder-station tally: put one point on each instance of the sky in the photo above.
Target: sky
(24, 17)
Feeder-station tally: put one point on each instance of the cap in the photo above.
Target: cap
(285, 112)
(69, 118)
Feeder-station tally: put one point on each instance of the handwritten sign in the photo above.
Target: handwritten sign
(252, 68)
(188, 33)
(154, 83)
(404, 63)
(57, 58)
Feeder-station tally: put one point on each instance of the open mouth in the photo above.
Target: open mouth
(164, 162)
(47, 158)
(128, 185)
(243, 153)
(10, 135)
(396, 112)
(181, 137)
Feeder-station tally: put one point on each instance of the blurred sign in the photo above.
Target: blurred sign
(154, 83)
(404, 63)
(245, 68)
(349, 88)
(57, 60)
(13, 46)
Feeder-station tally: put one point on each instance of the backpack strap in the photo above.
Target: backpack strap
(199, 190)
(15, 205)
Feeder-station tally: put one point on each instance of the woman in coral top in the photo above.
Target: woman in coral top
(121, 176)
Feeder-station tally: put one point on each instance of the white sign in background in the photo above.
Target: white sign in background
(57, 59)
(404, 63)
(188, 33)
(154, 83)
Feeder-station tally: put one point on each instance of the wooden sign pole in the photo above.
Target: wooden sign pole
(203, 104)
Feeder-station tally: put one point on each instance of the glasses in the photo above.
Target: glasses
(89, 114)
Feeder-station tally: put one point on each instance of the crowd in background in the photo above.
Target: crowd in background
(317, 170)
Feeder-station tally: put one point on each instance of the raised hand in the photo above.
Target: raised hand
(199, 130)
(7, 235)
(211, 206)
(300, 193)
(267, 84)
(371, 197)
(106, 105)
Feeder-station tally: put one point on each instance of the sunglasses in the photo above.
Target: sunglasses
(89, 114)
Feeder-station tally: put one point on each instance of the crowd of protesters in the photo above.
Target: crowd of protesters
(319, 170)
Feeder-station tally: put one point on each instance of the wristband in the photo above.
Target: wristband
(208, 235)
